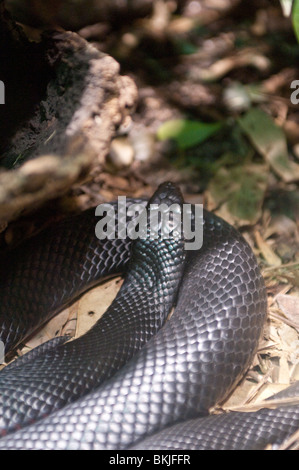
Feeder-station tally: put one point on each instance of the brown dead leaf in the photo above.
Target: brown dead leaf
(292, 277)
(291, 129)
(246, 57)
(280, 225)
(268, 254)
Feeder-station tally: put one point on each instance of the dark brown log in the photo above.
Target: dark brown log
(64, 101)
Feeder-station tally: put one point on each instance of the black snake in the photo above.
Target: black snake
(134, 373)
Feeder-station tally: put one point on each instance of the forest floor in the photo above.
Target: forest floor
(216, 115)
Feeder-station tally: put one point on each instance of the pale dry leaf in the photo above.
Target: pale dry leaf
(51, 329)
(284, 336)
(295, 372)
(240, 395)
(292, 443)
(94, 303)
(271, 404)
(271, 389)
(284, 356)
(284, 370)
(289, 305)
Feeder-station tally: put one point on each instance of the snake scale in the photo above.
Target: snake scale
(136, 379)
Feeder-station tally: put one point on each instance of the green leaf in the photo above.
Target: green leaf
(239, 192)
(295, 18)
(187, 133)
(270, 141)
(185, 47)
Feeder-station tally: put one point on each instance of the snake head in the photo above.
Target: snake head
(164, 212)
(167, 193)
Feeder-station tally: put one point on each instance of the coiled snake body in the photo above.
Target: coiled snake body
(129, 377)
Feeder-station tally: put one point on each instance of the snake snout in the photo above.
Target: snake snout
(167, 193)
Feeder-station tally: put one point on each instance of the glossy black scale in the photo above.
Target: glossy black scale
(188, 366)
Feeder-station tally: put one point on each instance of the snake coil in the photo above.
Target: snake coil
(132, 374)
